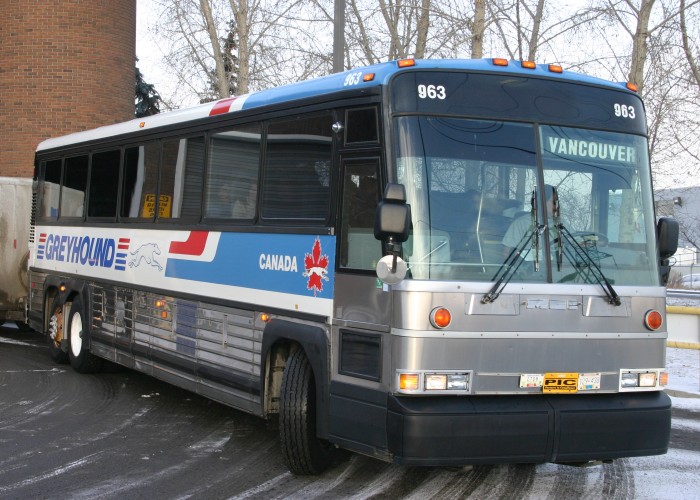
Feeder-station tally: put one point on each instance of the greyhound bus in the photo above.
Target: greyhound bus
(429, 262)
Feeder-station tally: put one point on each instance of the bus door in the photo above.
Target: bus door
(362, 311)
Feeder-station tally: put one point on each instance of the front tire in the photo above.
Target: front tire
(81, 359)
(55, 333)
(302, 451)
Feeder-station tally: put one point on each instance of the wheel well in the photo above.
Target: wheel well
(274, 368)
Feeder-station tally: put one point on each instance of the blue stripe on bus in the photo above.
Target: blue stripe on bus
(283, 263)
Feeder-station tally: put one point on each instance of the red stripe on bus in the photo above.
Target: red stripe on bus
(222, 106)
(194, 245)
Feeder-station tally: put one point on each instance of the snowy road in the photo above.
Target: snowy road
(125, 435)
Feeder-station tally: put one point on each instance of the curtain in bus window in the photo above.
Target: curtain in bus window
(188, 186)
(297, 168)
(104, 184)
(50, 188)
(74, 185)
(232, 179)
(140, 181)
(171, 172)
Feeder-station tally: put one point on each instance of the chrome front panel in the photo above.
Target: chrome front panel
(525, 333)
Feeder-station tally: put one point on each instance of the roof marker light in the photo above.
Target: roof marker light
(632, 86)
(368, 77)
(528, 64)
(498, 61)
(555, 68)
(406, 63)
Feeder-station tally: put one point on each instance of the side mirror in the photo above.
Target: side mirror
(667, 238)
(392, 224)
(393, 218)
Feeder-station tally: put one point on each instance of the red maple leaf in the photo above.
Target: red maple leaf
(316, 268)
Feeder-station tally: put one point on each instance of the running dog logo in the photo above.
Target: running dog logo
(148, 253)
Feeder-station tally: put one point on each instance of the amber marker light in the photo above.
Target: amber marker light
(142, 124)
(368, 77)
(406, 63)
(632, 86)
(408, 381)
(440, 317)
(555, 68)
(528, 64)
(265, 318)
(498, 61)
(663, 379)
(159, 303)
(62, 288)
(653, 320)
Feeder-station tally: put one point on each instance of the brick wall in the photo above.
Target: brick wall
(65, 66)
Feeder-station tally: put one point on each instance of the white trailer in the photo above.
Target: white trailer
(15, 211)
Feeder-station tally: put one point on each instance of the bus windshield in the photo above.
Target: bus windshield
(559, 201)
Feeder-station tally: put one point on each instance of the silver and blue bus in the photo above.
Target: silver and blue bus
(430, 262)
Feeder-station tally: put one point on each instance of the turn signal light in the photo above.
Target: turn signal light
(409, 381)
(440, 317)
(653, 320)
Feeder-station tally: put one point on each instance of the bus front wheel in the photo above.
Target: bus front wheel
(81, 359)
(302, 451)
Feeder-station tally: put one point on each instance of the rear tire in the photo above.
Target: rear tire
(302, 451)
(55, 333)
(81, 359)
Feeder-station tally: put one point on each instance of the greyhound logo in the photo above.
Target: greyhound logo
(147, 253)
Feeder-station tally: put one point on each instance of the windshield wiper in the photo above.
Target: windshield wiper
(517, 256)
(579, 257)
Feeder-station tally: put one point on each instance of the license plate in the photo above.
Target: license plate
(588, 381)
(560, 383)
(531, 380)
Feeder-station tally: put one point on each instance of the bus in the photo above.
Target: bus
(429, 262)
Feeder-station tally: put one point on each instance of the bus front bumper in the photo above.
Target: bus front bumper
(527, 429)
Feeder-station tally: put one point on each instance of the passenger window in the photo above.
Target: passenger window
(51, 188)
(298, 168)
(74, 186)
(181, 174)
(140, 181)
(232, 181)
(361, 125)
(359, 248)
(104, 184)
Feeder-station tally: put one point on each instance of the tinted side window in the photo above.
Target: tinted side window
(74, 185)
(181, 174)
(140, 181)
(232, 182)
(297, 168)
(361, 125)
(50, 188)
(104, 184)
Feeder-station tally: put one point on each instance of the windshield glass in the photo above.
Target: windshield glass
(557, 200)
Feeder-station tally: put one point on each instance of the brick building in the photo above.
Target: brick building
(65, 66)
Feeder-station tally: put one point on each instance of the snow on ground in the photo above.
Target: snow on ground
(683, 370)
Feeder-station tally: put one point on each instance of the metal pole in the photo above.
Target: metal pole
(339, 36)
